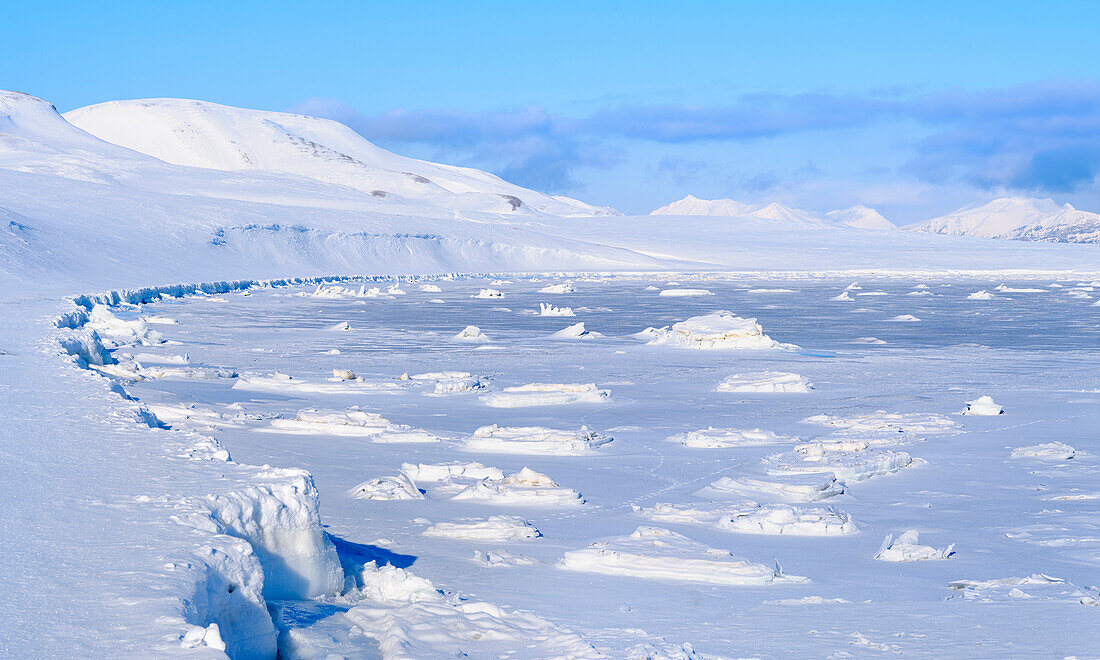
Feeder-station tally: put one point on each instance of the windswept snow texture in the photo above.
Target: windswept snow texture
(475, 503)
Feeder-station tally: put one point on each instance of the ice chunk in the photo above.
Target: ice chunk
(843, 297)
(546, 394)
(285, 383)
(430, 288)
(684, 293)
(398, 487)
(981, 295)
(564, 287)
(905, 318)
(113, 332)
(534, 440)
(156, 319)
(488, 293)
(983, 405)
(796, 488)
(881, 420)
(847, 461)
(502, 558)
(906, 548)
(714, 438)
(524, 488)
(471, 333)
(1058, 451)
(435, 472)
(752, 518)
(765, 381)
(499, 529)
(342, 326)
(575, 331)
(452, 382)
(546, 309)
(660, 554)
(721, 330)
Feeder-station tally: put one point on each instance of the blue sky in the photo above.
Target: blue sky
(915, 108)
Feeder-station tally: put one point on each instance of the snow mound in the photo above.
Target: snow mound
(655, 553)
(488, 294)
(451, 382)
(430, 288)
(795, 488)
(905, 318)
(546, 309)
(575, 331)
(436, 472)
(981, 295)
(765, 381)
(534, 440)
(189, 416)
(752, 518)
(684, 293)
(1058, 451)
(546, 394)
(351, 422)
(715, 438)
(398, 487)
(471, 333)
(500, 529)
(564, 287)
(983, 405)
(847, 461)
(281, 383)
(718, 331)
(524, 488)
(906, 548)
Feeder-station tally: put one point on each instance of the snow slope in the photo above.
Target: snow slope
(859, 217)
(1019, 218)
(218, 137)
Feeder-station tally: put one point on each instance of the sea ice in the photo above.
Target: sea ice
(752, 518)
(546, 394)
(684, 293)
(765, 381)
(534, 440)
(721, 330)
(564, 287)
(398, 487)
(281, 383)
(906, 548)
(546, 309)
(488, 293)
(575, 331)
(524, 488)
(471, 333)
(1057, 451)
(795, 488)
(659, 554)
(715, 438)
(847, 461)
(498, 529)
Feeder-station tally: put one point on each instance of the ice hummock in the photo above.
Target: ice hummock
(717, 331)
(765, 381)
(907, 548)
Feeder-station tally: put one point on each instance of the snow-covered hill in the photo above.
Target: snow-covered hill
(859, 217)
(218, 137)
(1020, 218)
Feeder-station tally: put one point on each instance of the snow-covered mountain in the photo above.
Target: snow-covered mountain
(1019, 218)
(218, 137)
(859, 217)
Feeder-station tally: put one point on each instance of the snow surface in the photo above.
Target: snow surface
(131, 535)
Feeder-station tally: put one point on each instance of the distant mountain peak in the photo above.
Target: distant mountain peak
(1018, 217)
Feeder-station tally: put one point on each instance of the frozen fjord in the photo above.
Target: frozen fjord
(1009, 518)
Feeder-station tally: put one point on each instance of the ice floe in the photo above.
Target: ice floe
(1053, 451)
(655, 553)
(981, 295)
(753, 518)
(546, 394)
(847, 461)
(905, 318)
(983, 405)
(498, 529)
(907, 548)
(717, 438)
(564, 287)
(398, 487)
(546, 309)
(353, 422)
(765, 381)
(684, 293)
(794, 488)
(282, 383)
(534, 440)
(451, 382)
(721, 330)
(523, 488)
